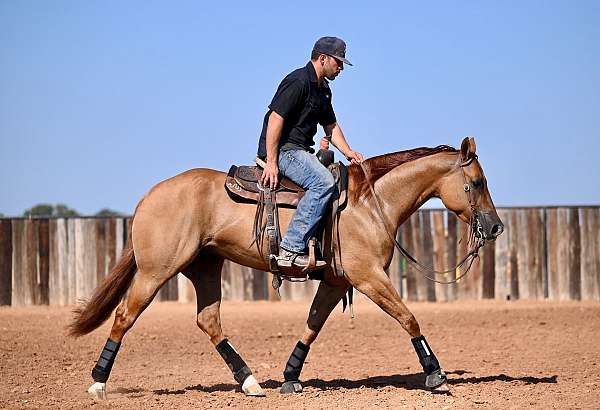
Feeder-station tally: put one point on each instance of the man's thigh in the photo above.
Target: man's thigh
(301, 167)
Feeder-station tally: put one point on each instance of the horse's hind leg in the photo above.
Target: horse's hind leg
(205, 274)
(378, 287)
(140, 294)
(325, 300)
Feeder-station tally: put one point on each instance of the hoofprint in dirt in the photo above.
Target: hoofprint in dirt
(496, 354)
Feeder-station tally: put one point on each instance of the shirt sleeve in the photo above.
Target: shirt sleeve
(289, 95)
(327, 115)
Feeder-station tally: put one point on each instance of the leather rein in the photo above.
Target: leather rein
(475, 236)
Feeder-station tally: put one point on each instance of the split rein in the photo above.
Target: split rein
(475, 235)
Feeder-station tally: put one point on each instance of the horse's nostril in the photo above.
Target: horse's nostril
(497, 229)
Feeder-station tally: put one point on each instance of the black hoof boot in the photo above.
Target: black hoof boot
(291, 386)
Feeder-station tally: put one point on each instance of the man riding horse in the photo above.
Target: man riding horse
(303, 100)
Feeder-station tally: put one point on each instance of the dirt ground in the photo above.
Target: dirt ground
(496, 355)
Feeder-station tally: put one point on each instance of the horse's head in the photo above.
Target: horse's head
(465, 192)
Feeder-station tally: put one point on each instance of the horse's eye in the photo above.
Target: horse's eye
(477, 184)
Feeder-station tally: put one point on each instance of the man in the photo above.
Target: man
(303, 100)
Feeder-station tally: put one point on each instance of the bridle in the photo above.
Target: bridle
(476, 237)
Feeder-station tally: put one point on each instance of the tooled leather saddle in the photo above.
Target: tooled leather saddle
(243, 185)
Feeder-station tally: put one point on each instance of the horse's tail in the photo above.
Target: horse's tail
(107, 295)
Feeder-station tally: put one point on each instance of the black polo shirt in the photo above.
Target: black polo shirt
(303, 105)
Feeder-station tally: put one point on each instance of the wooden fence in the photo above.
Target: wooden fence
(551, 252)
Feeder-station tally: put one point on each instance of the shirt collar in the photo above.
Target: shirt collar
(312, 74)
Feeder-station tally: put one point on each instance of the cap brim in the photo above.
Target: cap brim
(343, 60)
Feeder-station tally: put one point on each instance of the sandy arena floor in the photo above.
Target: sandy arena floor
(496, 354)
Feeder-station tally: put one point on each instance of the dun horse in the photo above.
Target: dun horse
(188, 224)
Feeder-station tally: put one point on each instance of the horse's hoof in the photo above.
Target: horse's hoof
(250, 387)
(291, 387)
(443, 388)
(98, 391)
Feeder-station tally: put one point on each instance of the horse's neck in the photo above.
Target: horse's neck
(405, 188)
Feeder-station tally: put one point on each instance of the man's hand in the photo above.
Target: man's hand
(354, 157)
(270, 175)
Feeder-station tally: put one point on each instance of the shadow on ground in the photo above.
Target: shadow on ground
(414, 381)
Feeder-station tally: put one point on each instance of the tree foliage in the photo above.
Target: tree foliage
(106, 212)
(48, 210)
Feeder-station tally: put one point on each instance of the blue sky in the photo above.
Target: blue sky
(101, 100)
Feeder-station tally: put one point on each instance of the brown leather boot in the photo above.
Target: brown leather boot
(288, 259)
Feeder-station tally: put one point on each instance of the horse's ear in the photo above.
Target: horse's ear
(467, 149)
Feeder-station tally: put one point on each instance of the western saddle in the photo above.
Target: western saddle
(243, 185)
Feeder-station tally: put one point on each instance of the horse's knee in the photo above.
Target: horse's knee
(411, 325)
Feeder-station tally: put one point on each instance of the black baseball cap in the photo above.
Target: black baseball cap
(332, 46)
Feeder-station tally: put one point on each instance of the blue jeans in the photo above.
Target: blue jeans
(305, 170)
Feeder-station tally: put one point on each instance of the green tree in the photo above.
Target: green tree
(47, 210)
(63, 211)
(106, 212)
(41, 210)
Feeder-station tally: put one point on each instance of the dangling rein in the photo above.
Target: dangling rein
(474, 253)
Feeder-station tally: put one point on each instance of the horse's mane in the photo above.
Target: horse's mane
(380, 165)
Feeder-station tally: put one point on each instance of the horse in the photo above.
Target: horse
(189, 224)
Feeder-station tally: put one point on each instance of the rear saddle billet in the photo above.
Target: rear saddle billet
(243, 185)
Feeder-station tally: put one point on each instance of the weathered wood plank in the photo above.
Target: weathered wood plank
(513, 273)
(111, 244)
(451, 245)
(535, 253)
(226, 281)
(30, 262)
(574, 255)
(185, 290)
(259, 290)
(501, 283)
(85, 245)
(523, 253)
(120, 232)
(590, 254)
(427, 255)
(595, 230)
(53, 278)
(468, 286)
(552, 237)
(407, 242)
(18, 268)
(488, 259)
(417, 252)
(43, 262)
(100, 249)
(439, 253)
(72, 261)
(6, 265)
(62, 249)
(563, 254)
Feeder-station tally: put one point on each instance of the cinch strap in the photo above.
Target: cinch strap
(101, 371)
(235, 363)
(295, 362)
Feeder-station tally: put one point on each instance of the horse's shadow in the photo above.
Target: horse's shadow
(405, 381)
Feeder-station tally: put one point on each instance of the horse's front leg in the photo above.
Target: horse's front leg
(378, 287)
(326, 298)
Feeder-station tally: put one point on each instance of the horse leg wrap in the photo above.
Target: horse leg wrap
(235, 363)
(431, 366)
(295, 362)
(101, 371)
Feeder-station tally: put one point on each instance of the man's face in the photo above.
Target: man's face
(332, 67)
